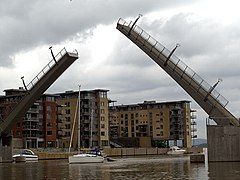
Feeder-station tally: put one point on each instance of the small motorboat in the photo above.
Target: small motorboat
(174, 150)
(25, 155)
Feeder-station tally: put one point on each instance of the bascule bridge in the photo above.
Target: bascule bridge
(223, 138)
(43, 80)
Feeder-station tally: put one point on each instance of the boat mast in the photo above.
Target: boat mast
(91, 127)
(73, 127)
(79, 119)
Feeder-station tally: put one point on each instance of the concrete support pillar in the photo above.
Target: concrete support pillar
(223, 143)
(6, 148)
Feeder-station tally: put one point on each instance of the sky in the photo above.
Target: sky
(208, 32)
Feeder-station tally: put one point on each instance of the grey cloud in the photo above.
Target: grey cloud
(28, 24)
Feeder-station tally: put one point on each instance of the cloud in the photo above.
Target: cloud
(28, 24)
(107, 59)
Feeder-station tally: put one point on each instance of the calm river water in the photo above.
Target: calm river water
(123, 168)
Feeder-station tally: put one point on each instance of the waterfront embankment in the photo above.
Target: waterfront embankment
(113, 152)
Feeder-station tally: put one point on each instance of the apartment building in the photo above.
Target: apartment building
(93, 118)
(37, 129)
(162, 121)
(48, 120)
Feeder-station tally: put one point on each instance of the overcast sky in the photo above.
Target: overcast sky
(208, 31)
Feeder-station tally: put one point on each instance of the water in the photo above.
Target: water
(123, 168)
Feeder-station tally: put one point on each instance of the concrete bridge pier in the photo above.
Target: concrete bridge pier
(223, 143)
(6, 148)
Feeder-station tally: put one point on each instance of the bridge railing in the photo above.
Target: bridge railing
(175, 61)
(41, 74)
(46, 68)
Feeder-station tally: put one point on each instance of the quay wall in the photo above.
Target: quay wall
(113, 152)
(144, 151)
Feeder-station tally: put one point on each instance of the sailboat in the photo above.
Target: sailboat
(81, 158)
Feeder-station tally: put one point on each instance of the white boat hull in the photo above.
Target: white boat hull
(26, 157)
(85, 158)
(176, 152)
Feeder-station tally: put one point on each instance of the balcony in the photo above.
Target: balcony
(86, 113)
(86, 106)
(193, 136)
(60, 133)
(35, 119)
(28, 127)
(193, 117)
(178, 115)
(194, 130)
(176, 108)
(33, 110)
(193, 123)
(86, 129)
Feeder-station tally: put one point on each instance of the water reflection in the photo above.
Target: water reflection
(224, 170)
(139, 168)
(124, 168)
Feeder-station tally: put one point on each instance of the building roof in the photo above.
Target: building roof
(71, 92)
(153, 103)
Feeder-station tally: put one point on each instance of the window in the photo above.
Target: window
(48, 116)
(132, 116)
(67, 104)
(102, 111)
(102, 103)
(67, 111)
(102, 118)
(18, 134)
(104, 143)
(95, 143)
(103, 94)
(49, 108)
(68, 119)
(50, 99)
(161, 133)
(49, 132)
(102, 133)
(102, 125)
(49, 125)
(67, 126)
(40, 116)
(67, 134)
